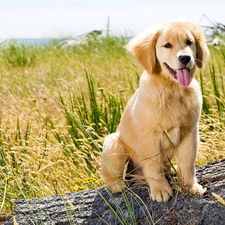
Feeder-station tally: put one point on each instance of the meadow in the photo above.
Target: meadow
(57, 105)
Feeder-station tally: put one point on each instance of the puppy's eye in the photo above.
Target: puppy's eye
(168, 45)
(188, 42)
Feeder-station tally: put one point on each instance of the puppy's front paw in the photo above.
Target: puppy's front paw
(162, 193)
(117, 186)
(197, 189)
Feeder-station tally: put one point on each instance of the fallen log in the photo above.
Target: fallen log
(133, 206)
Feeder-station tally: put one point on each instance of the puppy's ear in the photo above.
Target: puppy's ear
(143, 48)
(202, 54)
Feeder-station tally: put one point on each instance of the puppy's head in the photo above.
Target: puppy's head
(173, 50)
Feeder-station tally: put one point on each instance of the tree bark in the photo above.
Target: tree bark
(133, 206)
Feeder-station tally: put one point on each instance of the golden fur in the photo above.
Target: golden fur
(160, 121)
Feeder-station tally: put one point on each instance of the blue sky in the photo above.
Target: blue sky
(60, 18)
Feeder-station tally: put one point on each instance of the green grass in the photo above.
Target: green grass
(57, 105)
(19, 56)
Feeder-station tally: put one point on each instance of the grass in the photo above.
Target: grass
(57, 105)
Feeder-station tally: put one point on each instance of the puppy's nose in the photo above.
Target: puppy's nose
(185, 59)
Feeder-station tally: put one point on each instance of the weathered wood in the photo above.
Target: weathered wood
(99, 206)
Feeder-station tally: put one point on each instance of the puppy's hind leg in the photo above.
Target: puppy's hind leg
(114, 158)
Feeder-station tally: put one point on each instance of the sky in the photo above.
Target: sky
(63, 18)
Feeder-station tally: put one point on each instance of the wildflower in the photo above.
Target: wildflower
(78, 188)
(8, 178)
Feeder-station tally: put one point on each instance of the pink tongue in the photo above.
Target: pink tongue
(183, 76)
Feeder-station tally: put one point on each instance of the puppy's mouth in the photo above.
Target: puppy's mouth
(182, 75)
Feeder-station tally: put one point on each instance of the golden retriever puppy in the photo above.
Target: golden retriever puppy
(160, 121)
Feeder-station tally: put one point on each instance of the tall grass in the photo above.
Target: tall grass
(16, 55)
(57, 105)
